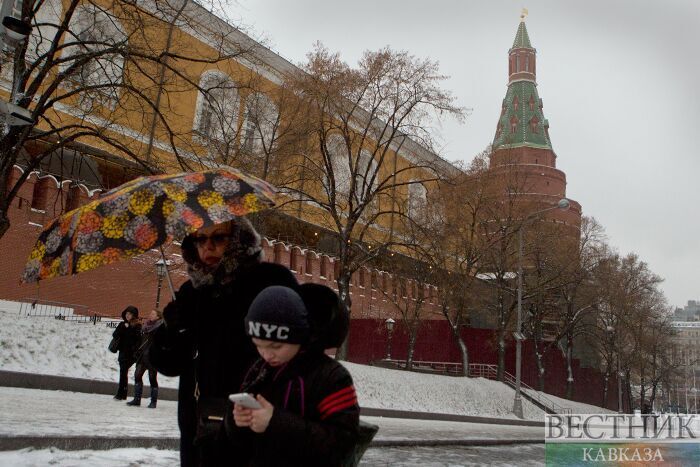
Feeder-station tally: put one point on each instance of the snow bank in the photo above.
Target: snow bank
(48, 346)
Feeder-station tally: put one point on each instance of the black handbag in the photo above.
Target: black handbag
(114, 345)
(210, 419)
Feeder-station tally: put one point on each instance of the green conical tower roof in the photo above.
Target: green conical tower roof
(522, 122)
(521, 37)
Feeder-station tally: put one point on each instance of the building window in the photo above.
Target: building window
(533, 125)
(339, 161)
(260, 124)
(517, 63)
(513, 125)
(366, 172)
(417, 198)
(516, 103)
(361, 278)
(216, 115)
(91, 31)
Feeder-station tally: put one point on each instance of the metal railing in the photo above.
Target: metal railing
(50, 309)
(481, 370)
(61, 311)
(491, 371)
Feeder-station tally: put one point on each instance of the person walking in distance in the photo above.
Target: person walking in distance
(143, 362)
(128, 333)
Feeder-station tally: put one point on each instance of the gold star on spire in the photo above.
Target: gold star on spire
(523, 15)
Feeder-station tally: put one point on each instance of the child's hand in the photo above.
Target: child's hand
(260, 418)
(242, 416)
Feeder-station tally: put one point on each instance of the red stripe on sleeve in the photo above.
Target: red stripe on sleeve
(338, 408)
(341, 400)
(329, 400)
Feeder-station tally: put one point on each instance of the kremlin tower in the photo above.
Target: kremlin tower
(521, 148)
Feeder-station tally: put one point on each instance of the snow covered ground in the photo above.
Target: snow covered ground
(520, 455)
(48, 346)
(34, 412)
(47, 414)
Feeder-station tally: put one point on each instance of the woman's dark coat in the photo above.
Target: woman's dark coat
(204, 342)
(129, 341)
(148, 330)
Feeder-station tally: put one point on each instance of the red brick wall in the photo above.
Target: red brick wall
(368, 342)
(109, 289)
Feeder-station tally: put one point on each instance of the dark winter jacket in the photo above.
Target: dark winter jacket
(129, 341)
(204, 342)
(315, 418)
(148, 329)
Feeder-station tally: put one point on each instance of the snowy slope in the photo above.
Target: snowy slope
(49, 346)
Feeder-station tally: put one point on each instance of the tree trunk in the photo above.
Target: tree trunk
(569, 368)
(540, 367)
(411, 346)
(344, 292)
(628, 388)
(500, 373)
(642, 389)
(463, 352)
(606, 386)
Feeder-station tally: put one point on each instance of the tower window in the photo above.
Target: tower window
(517, 63)
(515, 103)
(527, 63)
(533, 125)
(514, 125)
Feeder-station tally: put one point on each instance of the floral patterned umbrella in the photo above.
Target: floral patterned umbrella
(143, 214)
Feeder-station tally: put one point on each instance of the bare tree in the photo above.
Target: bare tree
(372, 149)
(96, 74)
(454, 243)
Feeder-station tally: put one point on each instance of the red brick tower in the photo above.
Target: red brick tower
(521, 147)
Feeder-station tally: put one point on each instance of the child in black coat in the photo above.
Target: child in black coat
(309, 413)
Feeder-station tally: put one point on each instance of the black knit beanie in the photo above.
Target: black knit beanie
(278, 314)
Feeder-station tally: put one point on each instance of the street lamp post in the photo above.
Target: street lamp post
(563, 204)
(389, 330)
(161, 271)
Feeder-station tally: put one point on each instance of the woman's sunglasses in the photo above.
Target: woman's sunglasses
(218, 239)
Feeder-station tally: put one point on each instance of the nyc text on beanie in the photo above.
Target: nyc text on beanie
(278, 314)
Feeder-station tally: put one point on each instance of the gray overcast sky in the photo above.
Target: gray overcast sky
(618, 79)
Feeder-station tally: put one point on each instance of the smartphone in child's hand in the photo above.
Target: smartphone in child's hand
(245, 399)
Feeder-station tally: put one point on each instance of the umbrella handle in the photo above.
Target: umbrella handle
(167, 273)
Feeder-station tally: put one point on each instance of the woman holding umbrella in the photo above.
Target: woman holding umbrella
(203, 340)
